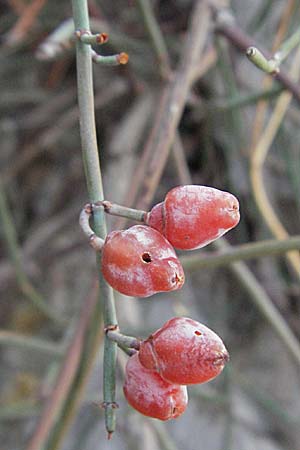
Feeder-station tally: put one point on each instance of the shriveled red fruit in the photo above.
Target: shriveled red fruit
(192, 216)
(140, 262)
(152, 396)
(184, 351)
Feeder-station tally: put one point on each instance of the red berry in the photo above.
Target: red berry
(193, 216)
(152, 396)
(184, 351)
(140, 262)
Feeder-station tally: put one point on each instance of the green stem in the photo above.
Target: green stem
(123, 340)
(259, 60)
(287, 47)
(92, 39)
(155, 35)
(121, 211)
(246, 251)
(29, 343)
(95, 191)
(111, 60)
(244, 100)
(10, 236)
(272, 65)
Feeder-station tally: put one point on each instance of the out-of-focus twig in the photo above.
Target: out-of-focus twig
(173, 100)
(30, 292)
(30, 343)
(258, 158)
(65, 377)
(25, 22)
(261, 107)
(242, 41)
(241, 252)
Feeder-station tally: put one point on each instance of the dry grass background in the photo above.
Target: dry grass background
(255, 404)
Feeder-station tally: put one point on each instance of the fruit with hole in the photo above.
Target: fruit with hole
(140, 262)
(184, 351)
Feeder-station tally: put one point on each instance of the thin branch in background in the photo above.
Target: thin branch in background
(257, 160)
(10, 236)
(23, 342)
(17, 5)
(262, 106)
(242, 42)
(57, 42)
(66, 376)
(260, 298)
(156, 37)
(174, 97)
(25, 22)
(231, 254)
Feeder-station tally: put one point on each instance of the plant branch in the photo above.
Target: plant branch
(173, 100)
(272, 65)
(242, 42)
(95, 191)
(65, 378)
(30, 343)
(242, 252)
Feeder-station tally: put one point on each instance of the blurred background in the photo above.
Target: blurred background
(47, 269)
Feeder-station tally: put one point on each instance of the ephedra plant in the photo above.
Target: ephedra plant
(141, 261)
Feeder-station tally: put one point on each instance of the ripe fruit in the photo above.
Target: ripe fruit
(193, 216)
(152, 396)
(184, 351)
(140, 262)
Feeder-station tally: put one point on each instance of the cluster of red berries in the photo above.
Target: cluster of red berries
(181, 353)
(140, 262)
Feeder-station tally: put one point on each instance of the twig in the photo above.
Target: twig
(122, 339)
(242, 252)
(24, 342)
(265, 305)
(261, 107)
(242, 42)
(65, 377)
(156, 36)
(258, 158)
(25, 22)
(173, 100)
(24, 283)
(272, 65)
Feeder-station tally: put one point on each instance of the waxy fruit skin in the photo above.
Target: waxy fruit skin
(192, 216)
(184, 351)
(140, 262)
(152, 396)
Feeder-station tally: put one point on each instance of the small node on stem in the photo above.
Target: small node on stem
(111, 328)
(107, 405)
(113, 60)
(270, 66)
(86, 37)
(123, 58)
(84, 221)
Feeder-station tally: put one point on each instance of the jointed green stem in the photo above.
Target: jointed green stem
(95, 191)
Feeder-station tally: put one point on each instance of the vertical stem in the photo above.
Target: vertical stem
(95, 191)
